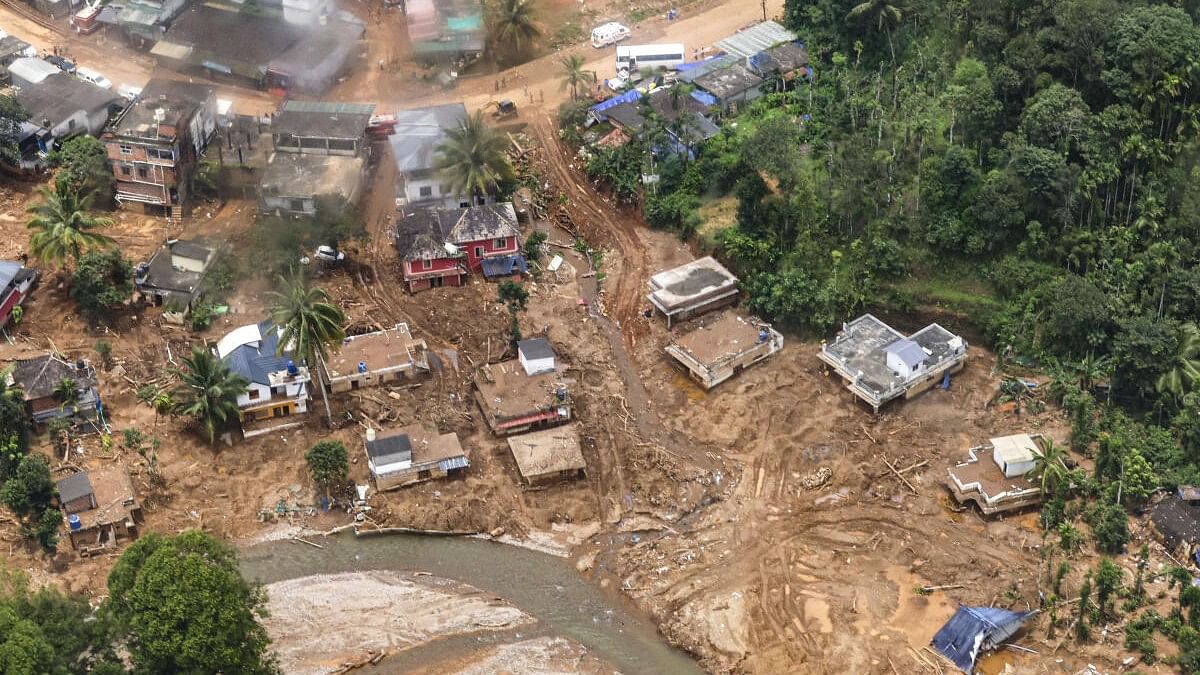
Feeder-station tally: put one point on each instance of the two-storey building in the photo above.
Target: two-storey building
(439, 247)
(278, 385)
(321, 149)
(155, 145)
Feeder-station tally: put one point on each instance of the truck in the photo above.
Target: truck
(85, 20)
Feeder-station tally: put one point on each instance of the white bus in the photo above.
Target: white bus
(633, 58)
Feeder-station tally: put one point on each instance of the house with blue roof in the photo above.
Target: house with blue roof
(278, 388)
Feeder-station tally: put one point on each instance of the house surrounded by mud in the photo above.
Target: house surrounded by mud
(278, 386)
(692, 289)
(880, 363)
(996, 476)
(716, 350)
(513, 401)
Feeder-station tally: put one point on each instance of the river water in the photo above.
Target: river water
(544, 586)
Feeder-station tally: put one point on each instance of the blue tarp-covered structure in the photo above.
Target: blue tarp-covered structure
(630, 96)
(973, 630)
(504, 266)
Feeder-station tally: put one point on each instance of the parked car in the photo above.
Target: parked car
(129, 92)
(329, 254)
(89, 75)
(64, 64)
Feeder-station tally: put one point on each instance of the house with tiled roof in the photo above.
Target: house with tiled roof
(278, 384)
(38, 379)
(439, 247)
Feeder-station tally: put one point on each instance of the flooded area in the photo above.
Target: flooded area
(545, 587)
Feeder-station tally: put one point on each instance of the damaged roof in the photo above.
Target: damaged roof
(291, 174)
(423, 234)
(74, 486)
(419, 131)
(178, 101)
(728, 82)
(38, 376)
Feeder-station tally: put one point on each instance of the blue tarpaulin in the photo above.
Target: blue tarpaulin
(973, 630)
(628, 97)
(704, 97)
(683, 67)
(504, 266)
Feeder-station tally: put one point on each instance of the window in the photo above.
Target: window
(426, 264)
(126, 149)
(426, 191)
(297, 204)
(478, 251)
(70, 124)
(342, 144)
(143, 171)
(463, 205)
(501, 243)
(126, 170)
(254, 394)
(424, 475)
(161, 154)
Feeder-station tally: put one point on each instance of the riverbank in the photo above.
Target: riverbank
(319, 622)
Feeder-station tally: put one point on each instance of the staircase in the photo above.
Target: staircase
(177, 213)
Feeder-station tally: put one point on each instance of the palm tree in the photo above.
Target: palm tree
(208, 391)
(1049, 466)
(574, 75)
(885, 15)
(472, 159)
(66, 393)
(513, 25)
(309, 325)
(1184, 366)
(62, 226)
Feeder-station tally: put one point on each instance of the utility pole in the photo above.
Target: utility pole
(764, 7)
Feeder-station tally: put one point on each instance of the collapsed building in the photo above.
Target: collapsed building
(692, 289)
(996, 476)
(717, 350)
(880, 363)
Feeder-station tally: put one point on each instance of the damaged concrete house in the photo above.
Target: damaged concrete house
(717, 350)
(692, 289)
(880, 363)
(278, 388)
(996, 476)
(61, 106)
(377, 358)
(38, 379)
(320, 150)
(411, 455)
(515, 397)
(156, 144)
(548, 456)
(174, 276)
(439, 247)
(416, 135)
(101, 509)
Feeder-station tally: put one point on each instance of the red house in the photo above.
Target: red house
(15, 281)
(439, 247)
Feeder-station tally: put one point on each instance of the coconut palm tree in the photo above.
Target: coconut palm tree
(513, 24)
(309, 325)
(1183, 372)
(472, 160)
(884, 13)
(208, 391)
(66, 393)
(574, 75)
(62, 226)
(1049, 466)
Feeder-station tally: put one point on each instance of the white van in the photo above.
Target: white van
(608, 34)
(89, 75)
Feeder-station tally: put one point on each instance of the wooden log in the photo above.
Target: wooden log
(901, 477)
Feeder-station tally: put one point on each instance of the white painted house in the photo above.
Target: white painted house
(536, 356)
(906, 358)
(1015, 455)
(278, 386)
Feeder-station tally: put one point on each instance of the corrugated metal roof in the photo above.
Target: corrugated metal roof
(504, 265)
(754, 39)
(329, 107)
(976, 629)
(453, 463)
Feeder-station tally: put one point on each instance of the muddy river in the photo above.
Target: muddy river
(544, 586)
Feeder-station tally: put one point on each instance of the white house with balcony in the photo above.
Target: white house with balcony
(278, 384)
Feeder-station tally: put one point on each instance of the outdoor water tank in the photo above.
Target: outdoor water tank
(561, 393)
(763, 335)
(362, 366)
(370, 434)
(73, 522)
(292, 370)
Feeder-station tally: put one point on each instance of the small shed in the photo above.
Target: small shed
(974, 630)
(1016, 455)
(548, 456)
(536, 356)
(75, 493)
(504, 267)
(905, 357)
